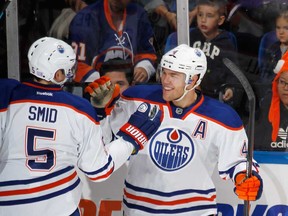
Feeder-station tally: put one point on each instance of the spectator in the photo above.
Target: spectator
(271, 133)
(45, 133)
(172, 175)
(162, 15)
(216, 44)
(119, 71)
(167, 9)
(60, 26)
(110, 29)
(277, 49)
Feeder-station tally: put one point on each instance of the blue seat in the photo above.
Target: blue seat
(266, 41)
(171, 42)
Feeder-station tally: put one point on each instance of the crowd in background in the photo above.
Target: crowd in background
(253, 25)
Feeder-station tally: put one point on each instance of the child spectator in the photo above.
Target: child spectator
(272, 128)
(216, 44)
(277, 49)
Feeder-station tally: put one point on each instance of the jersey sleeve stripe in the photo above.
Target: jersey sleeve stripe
(105, 167)
(102, 177)
(83, 72)
(102, 173)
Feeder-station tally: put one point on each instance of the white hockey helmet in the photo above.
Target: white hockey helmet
(187, 60)
(48, 55)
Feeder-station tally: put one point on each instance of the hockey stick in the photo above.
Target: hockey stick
(250, 130)
(3, 6)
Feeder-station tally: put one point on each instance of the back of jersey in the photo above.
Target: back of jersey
(42, 140)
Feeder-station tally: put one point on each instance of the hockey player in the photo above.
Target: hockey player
(172, 175)
(46, 133)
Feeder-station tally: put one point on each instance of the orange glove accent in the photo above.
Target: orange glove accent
(248, 188)
(103, 93)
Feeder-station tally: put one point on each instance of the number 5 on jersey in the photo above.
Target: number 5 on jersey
(39, 158)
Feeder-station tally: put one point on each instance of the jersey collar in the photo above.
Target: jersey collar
(52, 87)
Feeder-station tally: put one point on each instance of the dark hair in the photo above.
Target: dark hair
(221, 4)
(119, 65)
(283, 13)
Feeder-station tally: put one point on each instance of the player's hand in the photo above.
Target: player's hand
(140, 75)
(141, 126)
(171, 19)
(228, 94)
(103, 94)
(248, 188)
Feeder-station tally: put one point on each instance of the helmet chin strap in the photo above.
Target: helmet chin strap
(59, 83)
(185, 92)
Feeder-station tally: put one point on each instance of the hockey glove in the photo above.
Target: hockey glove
(141, 126)
(248, 188)
(103, 95)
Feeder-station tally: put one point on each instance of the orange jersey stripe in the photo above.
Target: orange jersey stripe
(151, 56)
(174, 202)
(103, 176)
(40, 87)
(109, 17)
(3, 110)
(40, 188)
(82, 70)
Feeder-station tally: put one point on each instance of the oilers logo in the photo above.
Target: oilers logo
(171, 149)
(60, 49)
(197, 52)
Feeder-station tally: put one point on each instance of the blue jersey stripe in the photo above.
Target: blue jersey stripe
(168, 194)
(105, 167)
(39, 179)
(169, 211)
(41, 198)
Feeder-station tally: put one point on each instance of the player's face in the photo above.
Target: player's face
(208, 20)
(282, 30)
(119, 78)
(173, 84)
(283, 88)
(118, 5)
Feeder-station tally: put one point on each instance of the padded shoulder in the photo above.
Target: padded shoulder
(220, 113)
(152, 93)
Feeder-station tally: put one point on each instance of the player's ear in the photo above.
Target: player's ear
(221, 20)
(192, 82)
(59, 76)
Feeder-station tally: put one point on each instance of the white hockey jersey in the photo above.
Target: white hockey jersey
(45, 134)
(172, 175)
